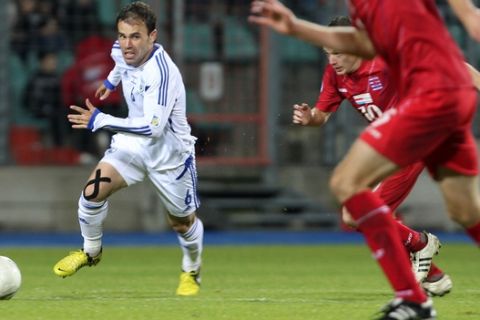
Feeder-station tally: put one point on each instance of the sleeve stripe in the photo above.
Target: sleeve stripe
(108, 85)
(139, 129)
(165, 87)
(161, 76)
(145, 131)
(91, 122)
(162, 80)
(164, 73)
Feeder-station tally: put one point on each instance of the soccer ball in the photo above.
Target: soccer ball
(10, 278)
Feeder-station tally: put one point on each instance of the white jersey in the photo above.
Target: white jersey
(155, 96)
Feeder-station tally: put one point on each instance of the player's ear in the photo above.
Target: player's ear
(153, 35)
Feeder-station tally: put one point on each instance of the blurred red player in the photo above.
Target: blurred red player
(364, 83)
(430, 123)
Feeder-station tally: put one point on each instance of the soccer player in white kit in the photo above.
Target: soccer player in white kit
(154, 141)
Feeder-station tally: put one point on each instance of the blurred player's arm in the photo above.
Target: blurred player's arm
(475, 75)
(306, 116)
(273, 14)
(469, 15)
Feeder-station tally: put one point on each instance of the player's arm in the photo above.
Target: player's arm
(475, 75)
(469, 15)
(157, 108)
(109, 84)
(304, 115)
(158, 102)
(113, 78)
(342, 39)
(273, 14)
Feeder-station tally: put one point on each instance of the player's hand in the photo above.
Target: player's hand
(81, 118)
(273, 14)
(472, 24)
(302, 114)
(102, 92)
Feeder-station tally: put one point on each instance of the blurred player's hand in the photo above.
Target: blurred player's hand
(273, 14)
(302, 114)
(472, 24)
(102, 92)
(81, 119)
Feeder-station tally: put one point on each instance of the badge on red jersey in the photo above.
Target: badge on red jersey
(364, 98)
(375, 83)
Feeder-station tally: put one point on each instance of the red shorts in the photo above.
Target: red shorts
(433, 128)
(394, 189)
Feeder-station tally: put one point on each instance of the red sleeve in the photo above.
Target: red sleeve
(329, 99)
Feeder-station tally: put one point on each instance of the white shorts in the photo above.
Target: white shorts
(176, 187)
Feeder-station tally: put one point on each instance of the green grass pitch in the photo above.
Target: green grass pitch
(239, 283)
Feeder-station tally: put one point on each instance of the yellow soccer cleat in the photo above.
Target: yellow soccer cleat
(189, 284)
(74, 261)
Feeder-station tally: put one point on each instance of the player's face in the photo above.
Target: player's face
(135, 42)
(342, 63)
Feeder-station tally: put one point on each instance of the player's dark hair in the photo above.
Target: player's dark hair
(340, 21)
(138, 11)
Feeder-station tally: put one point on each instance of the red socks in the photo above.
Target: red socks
(474, 233)
(379, 228)
(434, 273)
(410, 238)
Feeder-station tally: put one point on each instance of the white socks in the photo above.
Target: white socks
(191, 243)
(90, 216)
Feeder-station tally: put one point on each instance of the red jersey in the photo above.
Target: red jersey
(91, 66)
(367, 89)
(412, 39)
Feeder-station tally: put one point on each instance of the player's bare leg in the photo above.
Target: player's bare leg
(92, 211)
(361, 169)
(462, 197)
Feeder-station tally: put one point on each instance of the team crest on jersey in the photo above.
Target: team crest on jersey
(364, 98)
(155, 121)
(375, 83)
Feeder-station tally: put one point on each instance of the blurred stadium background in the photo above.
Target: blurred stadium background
(257, 171)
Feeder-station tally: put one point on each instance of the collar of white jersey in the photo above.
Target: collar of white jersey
(117, 56)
